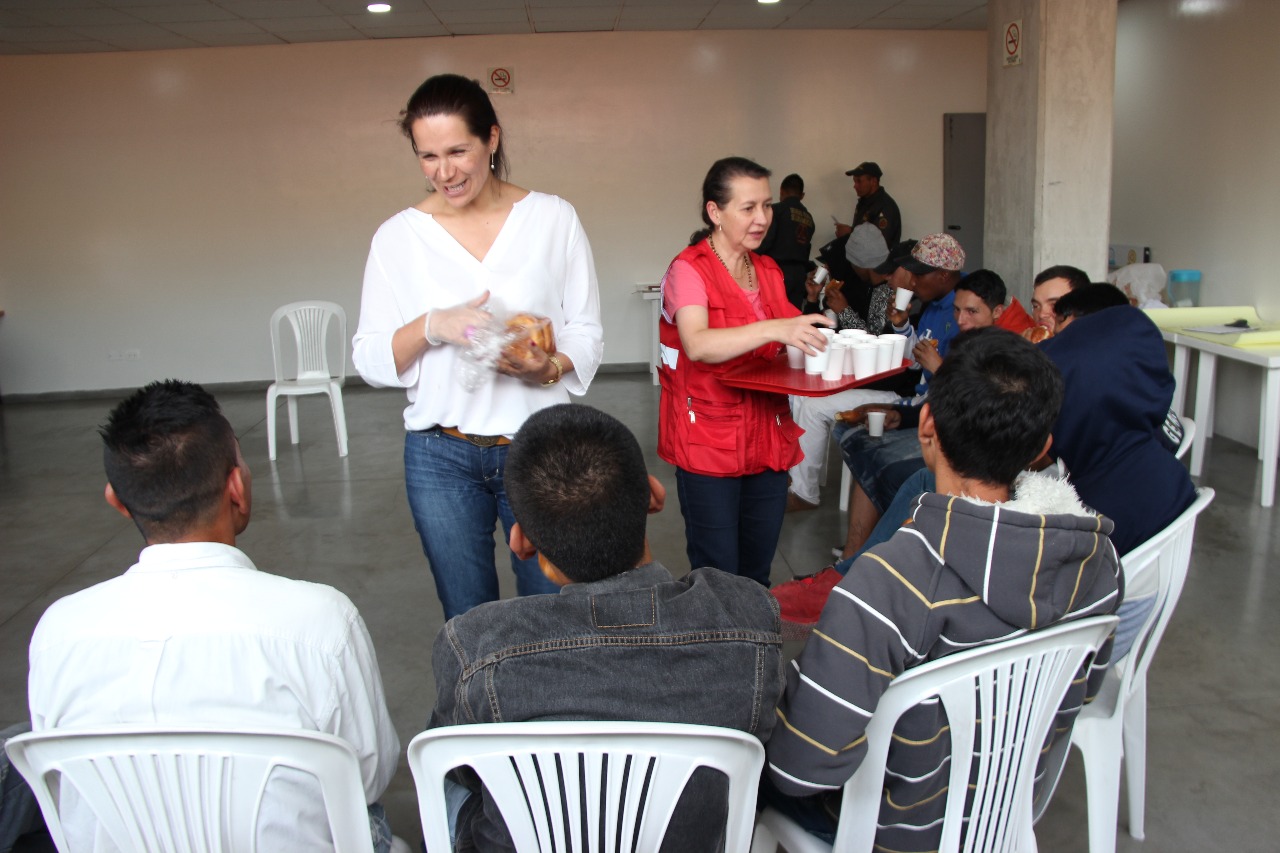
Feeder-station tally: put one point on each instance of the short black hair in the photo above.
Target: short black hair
(792, 183)
(994, 402)
(1089, 300)
(167, 450)
(987, 286)
(1076, 278)
(578, 487)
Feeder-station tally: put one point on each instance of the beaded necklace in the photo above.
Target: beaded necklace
(751, 282)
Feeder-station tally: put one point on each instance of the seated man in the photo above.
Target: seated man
(194, 634)
(1051, 284)
(862, 301)
(1020, 553)
(622, 640)
(934, 265)
(880, 465)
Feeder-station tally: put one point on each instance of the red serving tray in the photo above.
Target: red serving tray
(781, 378)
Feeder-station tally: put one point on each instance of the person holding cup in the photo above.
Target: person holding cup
(724, 306)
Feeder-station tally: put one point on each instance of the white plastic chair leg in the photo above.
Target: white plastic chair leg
(1135, 761)
(339, 417)
(271, 424)
(1097, 740)
(763, 841)
(293, 419)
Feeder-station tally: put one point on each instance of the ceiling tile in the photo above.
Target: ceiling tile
(176, 14)
(406, 32)
(239, 40)
(275, 8)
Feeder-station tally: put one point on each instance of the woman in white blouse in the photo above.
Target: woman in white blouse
(475, 244)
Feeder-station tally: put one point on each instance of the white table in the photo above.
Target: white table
(654, 298)
(1268, 358)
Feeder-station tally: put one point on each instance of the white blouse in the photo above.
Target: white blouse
(540, 263)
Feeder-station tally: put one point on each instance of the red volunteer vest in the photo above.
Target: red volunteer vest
(705, 426)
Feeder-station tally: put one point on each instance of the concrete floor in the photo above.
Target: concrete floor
(1214, 718)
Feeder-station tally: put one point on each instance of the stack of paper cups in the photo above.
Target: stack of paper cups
(884, 354)
(899, 347)
(864, 360)
(835, 362)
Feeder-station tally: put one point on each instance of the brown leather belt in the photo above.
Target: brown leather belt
(477, 440)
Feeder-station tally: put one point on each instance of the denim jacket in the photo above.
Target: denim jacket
(637, 646)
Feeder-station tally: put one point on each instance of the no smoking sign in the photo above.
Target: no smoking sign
(501, 80)
(1013, 44)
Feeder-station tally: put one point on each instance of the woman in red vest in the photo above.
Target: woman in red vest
(724, 306)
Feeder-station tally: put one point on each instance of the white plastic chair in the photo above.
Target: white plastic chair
(187, 789)
(310, 321)
(1188, 437)
(629, 775)
(1114, 725)
(1018, 684)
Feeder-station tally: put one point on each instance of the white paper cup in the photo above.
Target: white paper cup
(847, 351)
(815, 364)
(899, 347)
(835, 363)
(795, 356)
(829, 332)
(902, 298)
(864, 360)
(820, 275)
(884, 354)
(875, 424)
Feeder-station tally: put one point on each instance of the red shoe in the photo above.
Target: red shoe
(802, 599)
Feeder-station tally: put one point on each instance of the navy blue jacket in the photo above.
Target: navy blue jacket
(1118, 391)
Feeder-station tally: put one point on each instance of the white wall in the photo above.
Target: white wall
(166, 202)
(1197, 174)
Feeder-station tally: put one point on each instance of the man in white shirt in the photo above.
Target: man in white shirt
(193, 633)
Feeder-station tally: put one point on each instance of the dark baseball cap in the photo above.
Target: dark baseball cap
(867, 168)
(897, 255)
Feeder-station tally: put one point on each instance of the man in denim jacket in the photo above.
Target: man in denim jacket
(622, 640)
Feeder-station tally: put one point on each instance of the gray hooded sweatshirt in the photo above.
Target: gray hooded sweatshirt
(961, 573)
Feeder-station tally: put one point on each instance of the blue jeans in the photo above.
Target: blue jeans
(880, 465)
(456, 495)
(733, 523)
(899, 511)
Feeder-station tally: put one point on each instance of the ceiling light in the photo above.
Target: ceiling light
(766, 2)
(379, 7)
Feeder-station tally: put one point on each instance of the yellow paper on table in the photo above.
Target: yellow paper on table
(1205, 323)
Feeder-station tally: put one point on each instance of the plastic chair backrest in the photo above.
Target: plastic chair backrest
(310, 321)
(187, 789)
(1188, 436)
(628, 775)
(1015, 687)
(1168, 554)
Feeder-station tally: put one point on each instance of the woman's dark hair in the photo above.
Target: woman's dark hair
(455, 95)
(715, 187)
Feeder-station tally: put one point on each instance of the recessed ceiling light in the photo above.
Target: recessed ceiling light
(766, 2)
(379, 7)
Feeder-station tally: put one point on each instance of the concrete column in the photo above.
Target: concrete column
(1049, 138)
